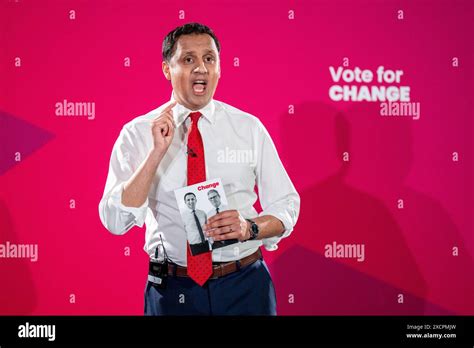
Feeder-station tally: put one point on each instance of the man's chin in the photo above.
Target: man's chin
(197, 102)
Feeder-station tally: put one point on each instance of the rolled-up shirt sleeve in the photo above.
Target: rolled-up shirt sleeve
(127, 155)
(277, 194)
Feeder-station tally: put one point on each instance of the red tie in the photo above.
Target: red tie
(199, 266)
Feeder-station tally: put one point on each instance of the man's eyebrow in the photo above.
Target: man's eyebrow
(194, 52)
(188, 52)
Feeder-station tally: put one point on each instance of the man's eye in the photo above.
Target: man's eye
(210, 59)
(188, 60)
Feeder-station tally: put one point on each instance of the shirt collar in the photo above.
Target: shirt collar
(180, 112)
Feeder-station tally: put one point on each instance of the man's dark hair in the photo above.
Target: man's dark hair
(187, 194)
(189, 28)
(213, 191)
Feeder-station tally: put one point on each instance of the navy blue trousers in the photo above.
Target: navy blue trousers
(248, 291)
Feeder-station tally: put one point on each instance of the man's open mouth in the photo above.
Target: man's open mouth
(199, 86)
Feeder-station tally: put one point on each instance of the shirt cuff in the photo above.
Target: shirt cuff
(133, 215)
(285, 217)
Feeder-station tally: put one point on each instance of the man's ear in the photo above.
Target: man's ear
(166, 70)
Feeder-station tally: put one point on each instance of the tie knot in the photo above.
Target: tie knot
(195, 116)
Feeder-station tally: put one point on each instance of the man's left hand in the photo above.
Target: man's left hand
(228, 224)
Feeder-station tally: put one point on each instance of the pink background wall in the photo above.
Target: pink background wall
(282, 62)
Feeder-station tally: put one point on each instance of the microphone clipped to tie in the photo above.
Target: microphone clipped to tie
(190, 152)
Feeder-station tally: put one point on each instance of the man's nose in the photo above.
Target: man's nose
(200, 67)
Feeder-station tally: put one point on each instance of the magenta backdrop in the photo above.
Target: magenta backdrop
(284, 50)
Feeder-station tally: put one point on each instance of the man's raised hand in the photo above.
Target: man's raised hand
(162, 128)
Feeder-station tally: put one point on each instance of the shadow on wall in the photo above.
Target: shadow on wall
(18, 294)
(335, 211)
(385, 150)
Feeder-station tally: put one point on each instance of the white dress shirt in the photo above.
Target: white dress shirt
(213, 211)
(194, 237)
(238, 149)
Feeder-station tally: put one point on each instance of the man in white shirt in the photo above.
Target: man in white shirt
(194, 220)
(215, 199)
(150, 160)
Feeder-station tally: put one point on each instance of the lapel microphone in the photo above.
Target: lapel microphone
(190, 152)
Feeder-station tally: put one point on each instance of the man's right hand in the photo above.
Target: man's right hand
(135, 191)
(162, 128)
